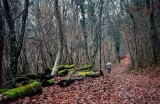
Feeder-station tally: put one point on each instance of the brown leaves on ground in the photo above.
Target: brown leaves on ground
(86, 91)
(117, 88)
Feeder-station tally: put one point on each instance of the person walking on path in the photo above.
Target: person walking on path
(109, 66)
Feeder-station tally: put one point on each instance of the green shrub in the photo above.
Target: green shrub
(21, 91)
(85, 67)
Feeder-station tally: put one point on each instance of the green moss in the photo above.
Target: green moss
(70, 72)
(63, 67)
(18, 84)
(85, 67)
(69, 66)
(20, 92)
(87, 73)
(51, 81)
(31, 81)
(65, 82)
(63, 72)
(3, 90)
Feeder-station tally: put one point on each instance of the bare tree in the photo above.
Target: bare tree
(1, 42)
(15, 45)
(154, 36)
(60, 34)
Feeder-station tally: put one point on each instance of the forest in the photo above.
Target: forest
(56, 51)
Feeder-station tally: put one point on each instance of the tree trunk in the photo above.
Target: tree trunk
(85, 37)
(100, 31)
(14, 45)
(13, 60)
(24, 19)
(60, 33)
(1, 43)
(154, 35)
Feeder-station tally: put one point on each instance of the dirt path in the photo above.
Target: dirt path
(117, 88)
(133, 89)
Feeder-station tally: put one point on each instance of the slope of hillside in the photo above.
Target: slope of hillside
(119, 87)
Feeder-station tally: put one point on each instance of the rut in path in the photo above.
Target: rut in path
(117, 88)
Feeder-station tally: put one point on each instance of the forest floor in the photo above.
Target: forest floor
(119, 87)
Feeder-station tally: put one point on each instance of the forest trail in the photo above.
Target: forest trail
(120, 87)
(131, 88)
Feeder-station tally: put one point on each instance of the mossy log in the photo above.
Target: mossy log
(47, 77)
(49, 82)
(63, 67)
(48, 71)
(22, 80)
(63, 72)
(3, 90)
(86, 67)
(40, 76)
(92, 74)
(69, 66)
(16, 81)
(69, 81)
(77, 78)
(20, 92)
(32, 76)
(60, 68)
(71, 71)
(65, 82)
(101, 73)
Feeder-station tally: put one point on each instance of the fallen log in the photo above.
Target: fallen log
(20, 92)
(3, 90)
(67, 82)
(77, 78)
(31, 76)
(63, 67)
(12, 83)
(47, 77)
(63, 73)
(86, 67)
(88, 74)
(46, 83)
